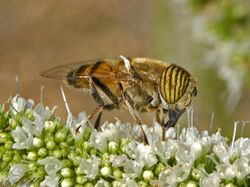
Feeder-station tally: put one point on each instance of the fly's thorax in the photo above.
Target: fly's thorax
(175, 87)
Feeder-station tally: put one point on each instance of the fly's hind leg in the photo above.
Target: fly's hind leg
(98, 88)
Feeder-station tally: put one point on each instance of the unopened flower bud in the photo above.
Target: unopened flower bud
(67, 172)
(113, 147)
(106, 171)
(148, 175)
(230, 185)
(88, 184)
(60, 135)
(49, 126)
(117, 173)
(116, 183)
(81, 179)
(192, 184)
(67, 182)
(159, 168)
(8, 145)
(37, 142)
(32, 155)
(42, 152)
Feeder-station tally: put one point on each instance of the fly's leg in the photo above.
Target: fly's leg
(159, 116)
(99, 108)
(96, 87)
(98, 121)
(137, 119)
(134, 114)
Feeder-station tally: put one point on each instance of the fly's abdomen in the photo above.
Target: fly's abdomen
(79, 78)
(173, 83)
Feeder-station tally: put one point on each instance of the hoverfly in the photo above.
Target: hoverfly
(134, 84)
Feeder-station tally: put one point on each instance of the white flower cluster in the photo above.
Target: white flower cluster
(36, 149)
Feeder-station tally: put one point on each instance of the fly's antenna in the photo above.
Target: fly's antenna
(65, 101)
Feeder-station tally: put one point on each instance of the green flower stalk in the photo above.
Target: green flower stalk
(37, 149)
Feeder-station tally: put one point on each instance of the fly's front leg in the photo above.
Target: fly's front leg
(160, 119)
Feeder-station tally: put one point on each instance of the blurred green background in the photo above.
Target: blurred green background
(210, 38)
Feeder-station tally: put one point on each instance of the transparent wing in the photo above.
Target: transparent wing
(62, 72)
(74, 71)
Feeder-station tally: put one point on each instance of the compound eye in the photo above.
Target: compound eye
(174, 83)
(194, 92)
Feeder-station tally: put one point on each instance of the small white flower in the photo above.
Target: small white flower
(52, 165)
(133, 168)
(98, 140)
(223, 152)
(154, 134)
(171, 133)
(119, 160)
(145, 155)
(32, 127)
(174, 175)
(182, 155)
(128, 182)
(16, 172)
(130, 148)
(42, 113)
(18, 104)
(212, 179)
(77, 125)
(166, 150)
(50, 181)
(188, 136)
(241, 167)
(217, 138)
(22, 137)
(102, 183)
(196, 149)
(111, 131)
(226, 171)
(206, 141)
(242, 147)
(120, 130)
(90, 167)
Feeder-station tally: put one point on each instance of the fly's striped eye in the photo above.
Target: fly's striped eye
(173, 83)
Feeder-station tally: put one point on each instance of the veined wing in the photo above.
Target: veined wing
(104, 68)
